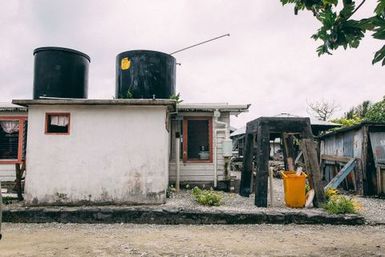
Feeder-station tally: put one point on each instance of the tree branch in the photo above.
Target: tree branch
(358, 7)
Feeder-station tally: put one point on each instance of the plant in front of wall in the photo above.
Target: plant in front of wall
(207, 197)
(177, 98)
(171, 190)
(128, 95)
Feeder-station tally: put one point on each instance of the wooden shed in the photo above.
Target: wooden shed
(365, 143)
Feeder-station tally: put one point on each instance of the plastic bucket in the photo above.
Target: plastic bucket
(294, 188)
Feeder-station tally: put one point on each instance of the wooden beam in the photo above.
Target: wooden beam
(245, 186)
(342, 174)
(308, 147)
(335, 158)
(262, 169)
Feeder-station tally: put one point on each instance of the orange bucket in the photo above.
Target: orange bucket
(294, 188)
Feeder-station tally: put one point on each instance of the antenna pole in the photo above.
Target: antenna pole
(201, 43)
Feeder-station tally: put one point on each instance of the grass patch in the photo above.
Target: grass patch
(207, 197)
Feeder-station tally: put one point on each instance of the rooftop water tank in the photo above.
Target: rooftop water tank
(60, 72)
(145, 74)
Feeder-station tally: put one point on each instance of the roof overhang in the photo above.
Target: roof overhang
(132, 102)
(233, 109)
(8, 107)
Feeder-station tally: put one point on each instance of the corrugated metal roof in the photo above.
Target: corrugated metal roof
(9, 107)
(210, 107)
(313, 121)
(355, 127)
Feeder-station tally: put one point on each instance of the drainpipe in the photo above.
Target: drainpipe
(217, 114)
(177, 159)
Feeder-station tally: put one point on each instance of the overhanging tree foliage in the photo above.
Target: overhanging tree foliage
(339, 29)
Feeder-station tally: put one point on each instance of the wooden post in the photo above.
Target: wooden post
(262, 160)
(1, 209)
(311, 162)
(364, 160)
(378, 175)
(271, 190)
(245, 186)
(359, 189)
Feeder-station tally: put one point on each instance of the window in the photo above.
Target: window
(197, 139)
(57, 123)
(12, 143)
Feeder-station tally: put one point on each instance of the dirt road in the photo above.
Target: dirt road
(155, 240)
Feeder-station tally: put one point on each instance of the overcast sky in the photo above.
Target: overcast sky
(268, 61)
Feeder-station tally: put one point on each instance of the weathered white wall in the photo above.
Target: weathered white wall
(200, 172)
(114, 154)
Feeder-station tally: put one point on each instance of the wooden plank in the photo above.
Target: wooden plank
(335, 158)
(262, 168)
(359, 181)
(309, 151)
(342, 174)
(364, 160)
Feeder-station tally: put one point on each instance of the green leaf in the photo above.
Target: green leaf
(380, 8)
(379, 55)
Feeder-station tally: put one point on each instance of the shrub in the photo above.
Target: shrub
(207, 197)
(339, 204)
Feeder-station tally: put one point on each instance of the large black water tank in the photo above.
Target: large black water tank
(145, 74)
(60, 72)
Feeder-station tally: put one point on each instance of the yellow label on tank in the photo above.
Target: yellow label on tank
(125, 64)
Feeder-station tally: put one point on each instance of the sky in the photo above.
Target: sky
(269, 61)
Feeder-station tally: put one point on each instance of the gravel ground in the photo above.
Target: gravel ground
(373, 209)
(219, 240)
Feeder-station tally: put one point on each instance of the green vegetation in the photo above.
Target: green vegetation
(376, 112)
(339, 28)
(339, 204)
(176, 97)
(366, 111)
(345, 122)
(207, 197)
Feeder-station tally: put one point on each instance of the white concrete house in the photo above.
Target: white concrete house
(12, 139)
(205, 144)
(99, 151)
(122, 151)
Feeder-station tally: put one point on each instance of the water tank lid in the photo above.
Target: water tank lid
(52, 48)
(141, 51)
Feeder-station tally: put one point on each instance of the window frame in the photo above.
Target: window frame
(185, 139)
(47, 114)
(20, 142)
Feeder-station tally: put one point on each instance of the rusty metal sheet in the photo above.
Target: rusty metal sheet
(377, 140)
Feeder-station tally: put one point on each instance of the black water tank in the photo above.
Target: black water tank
(145, 74)
(60, 72)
